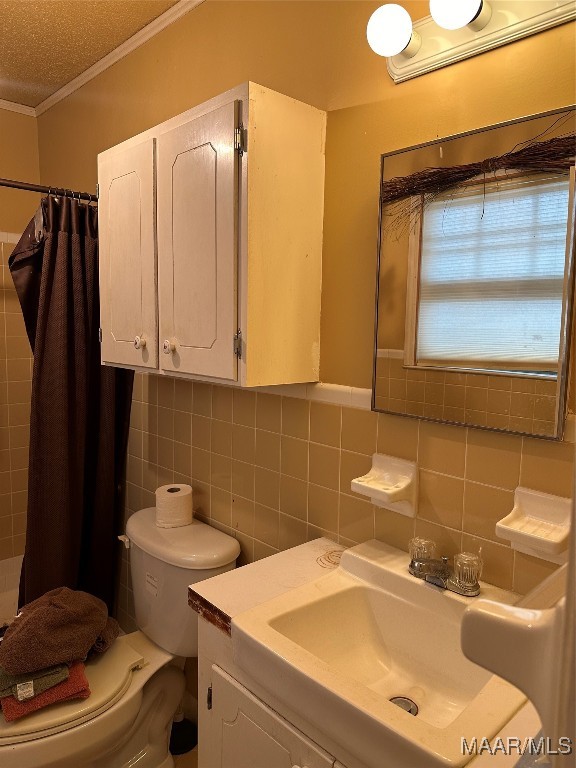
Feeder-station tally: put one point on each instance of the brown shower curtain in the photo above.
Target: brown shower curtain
(80, 410)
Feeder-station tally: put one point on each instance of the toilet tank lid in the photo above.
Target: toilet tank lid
(196, 546)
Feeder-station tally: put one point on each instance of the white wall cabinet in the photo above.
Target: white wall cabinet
(211, 242)
(245, 733)
(127, 251)
(197, 180)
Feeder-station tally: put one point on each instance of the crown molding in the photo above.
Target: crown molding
(178, 10)
(146, 33)
(510, 21)
(22, 109)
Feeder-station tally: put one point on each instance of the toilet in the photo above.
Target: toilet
(137, 685)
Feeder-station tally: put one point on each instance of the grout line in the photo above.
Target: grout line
(514, 572)
(467, 480)
(464, 478)
(8, 237)
(307, 464)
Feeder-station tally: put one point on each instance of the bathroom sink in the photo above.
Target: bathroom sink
(338, 650)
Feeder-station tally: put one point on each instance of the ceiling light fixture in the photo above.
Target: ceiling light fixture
(476, 27)
(455, 14)
(390, 32)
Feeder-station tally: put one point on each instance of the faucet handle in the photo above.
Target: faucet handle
(421, 549)
(467, 568)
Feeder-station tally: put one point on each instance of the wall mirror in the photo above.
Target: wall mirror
(475, 288)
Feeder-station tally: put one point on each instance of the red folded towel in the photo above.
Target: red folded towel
(75, 687)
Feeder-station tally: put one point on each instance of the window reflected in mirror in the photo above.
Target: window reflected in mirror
(476, 284)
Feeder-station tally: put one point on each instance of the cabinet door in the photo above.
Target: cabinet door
(127, 256)
(245, 733)
(197, 192)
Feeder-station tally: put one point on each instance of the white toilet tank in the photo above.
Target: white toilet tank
(163, 562)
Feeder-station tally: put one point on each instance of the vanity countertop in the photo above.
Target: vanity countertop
(222, 597)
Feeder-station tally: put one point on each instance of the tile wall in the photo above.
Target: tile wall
(275, 471)
(15, 388)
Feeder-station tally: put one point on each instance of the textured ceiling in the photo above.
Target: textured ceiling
(44, 44)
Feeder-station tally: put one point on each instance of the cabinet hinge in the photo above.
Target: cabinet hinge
(209, 697)
(97, 191)
(238, 344)
(100, 335)
(240, 139)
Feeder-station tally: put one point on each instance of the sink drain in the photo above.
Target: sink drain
(406, 704)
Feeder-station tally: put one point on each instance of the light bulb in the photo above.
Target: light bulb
(455, 14)
(389, 30)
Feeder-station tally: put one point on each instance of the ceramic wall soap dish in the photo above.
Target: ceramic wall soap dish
(538, 525)
(391, 483)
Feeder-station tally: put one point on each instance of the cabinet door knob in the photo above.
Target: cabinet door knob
(168, 347)
(139, 342)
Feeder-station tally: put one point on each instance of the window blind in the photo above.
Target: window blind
(492, 261)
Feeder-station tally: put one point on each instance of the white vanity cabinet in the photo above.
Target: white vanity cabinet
(245, 733)
(211, 241)
(242, 726)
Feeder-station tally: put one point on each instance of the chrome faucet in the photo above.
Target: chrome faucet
(463, 579)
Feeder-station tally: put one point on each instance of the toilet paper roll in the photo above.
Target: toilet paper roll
(173, 505)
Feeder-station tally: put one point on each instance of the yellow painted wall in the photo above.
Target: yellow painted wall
(316, 52)
(19, 161)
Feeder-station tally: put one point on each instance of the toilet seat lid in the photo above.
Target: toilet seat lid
(109, 676)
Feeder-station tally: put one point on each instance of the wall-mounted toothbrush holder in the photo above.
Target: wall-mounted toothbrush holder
(538, 525)
(391, 483)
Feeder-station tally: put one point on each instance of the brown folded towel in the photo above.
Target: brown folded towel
(106, 637)
(25, 686)
(59, 627)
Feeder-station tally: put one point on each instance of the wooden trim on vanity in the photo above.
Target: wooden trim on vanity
(208, 611)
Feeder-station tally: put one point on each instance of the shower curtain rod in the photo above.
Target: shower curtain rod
(49, 190)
